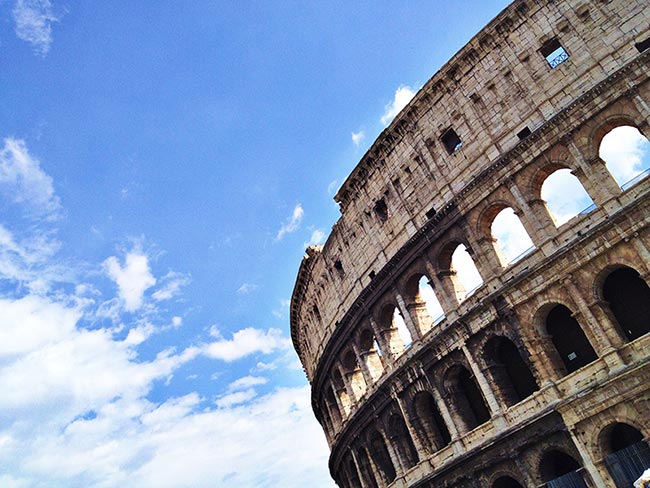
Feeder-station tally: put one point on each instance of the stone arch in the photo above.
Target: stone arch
(465, 397)
(429, 421)
(511, 374)
(458, 269)
(628, 297)
(509, 236)
(626, 453)
(332, 407)
(564, 196)
(353, 372)
(370, 352)
(391, 323)
(556, 464)
(600, 127)
(626, 154)
(380, 456)
(339, 387)
(422, 301)
(400, 438)
(570, 343)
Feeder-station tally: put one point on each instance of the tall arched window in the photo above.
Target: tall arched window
(353, 371)
(626, 454)
(370, 353)
(511, 239)
(557, 469)
(510, 372)
(394, 328)
(466, 274)
(427, 296)
(429, 422)
(339, 387)
(569, 340)
(565, 196)
(380, 456)
(400, 438)
(466, 397)
(629, 299)
(626, 153)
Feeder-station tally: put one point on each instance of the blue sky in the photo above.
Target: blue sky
(162, 167)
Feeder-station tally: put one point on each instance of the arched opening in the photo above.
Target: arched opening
(353, 475)
(626, 153)
(509, 370)
(394, 329)
(466, 276)
(565, 196)
(569, 340)
(627, 455)
(400, 438)
(402, 330)
(370, 354)
(466, 397)
(506, 482)
(629, 300)
(511, 240)
(366, 469)
(354, 374)
(339, 387)
(380, 456)
(429, 421)
(333, 408)
(427, 297)
(557, 469)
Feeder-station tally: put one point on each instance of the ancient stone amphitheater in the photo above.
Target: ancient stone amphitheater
(539, 375)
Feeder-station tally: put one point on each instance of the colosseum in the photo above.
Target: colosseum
(438, 356)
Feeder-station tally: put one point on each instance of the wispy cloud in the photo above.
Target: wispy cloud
(24, 182)
(33, 23)
(245, 342)
(172, 283)
(132, 279)
(292, 224)
(246, 288)
(403, 96)
(317, 237)
(332, 187)
(281, 312)
(358, 137)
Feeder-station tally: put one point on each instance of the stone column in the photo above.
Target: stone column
(383, 341)
(587, 463)
(594, 176)
(363, 365)
(487, 260)
(346, 382)
(360, 472)
(416, 335)
(374, 470)
(535, 218)
(483, 383)
(394, 456)
(444, 291)
(409, 425)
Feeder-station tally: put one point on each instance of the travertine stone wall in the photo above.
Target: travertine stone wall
(488, 392)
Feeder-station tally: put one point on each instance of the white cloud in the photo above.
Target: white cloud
(293, 224)
(332, 187)
(245, 342)
(564, 195)
(247, 382)
(281, 312)
(177, 321)
(357, 137)
(246, 288)
(24, 182)
(33, 23)
(172, 283)
(403, 96)
(317, 237)
(132, 280)
(236, 398)
(626, 152)
(510, 234)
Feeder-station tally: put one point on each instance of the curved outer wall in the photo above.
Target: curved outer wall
(411, 200)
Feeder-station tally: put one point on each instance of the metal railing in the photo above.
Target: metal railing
(635, 180)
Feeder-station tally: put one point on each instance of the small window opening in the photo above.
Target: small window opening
(339, 268)
(371, 275)
(523, 133)
(381, 210)
(431, 213)
(554, 53)
(451, 141)
(643, 45)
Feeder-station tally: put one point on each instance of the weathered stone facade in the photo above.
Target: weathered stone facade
(539, 376)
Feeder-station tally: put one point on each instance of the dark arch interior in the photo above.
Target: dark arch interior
(353, 476)
(555, 464)
(622, 436)
(380, 455)
(476, 411)
(569, 339)
(629, 299)
(366, 471)
(430, 422)
(506, 482)
(400, 438)
(512, 375)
